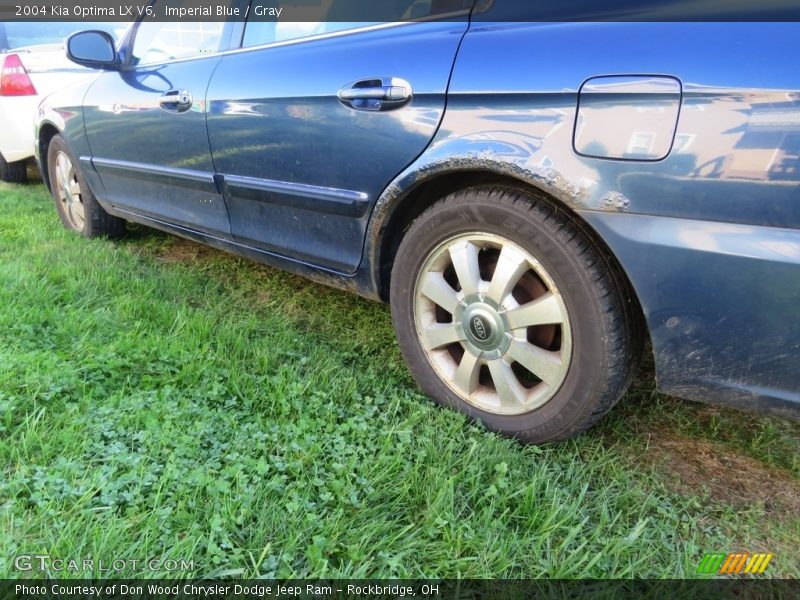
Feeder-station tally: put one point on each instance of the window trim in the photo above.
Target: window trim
(318, 36)
(464, 12)
(235, 36)
(333, 34)
(240, 49)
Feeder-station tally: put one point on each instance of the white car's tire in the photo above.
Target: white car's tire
(13, 172)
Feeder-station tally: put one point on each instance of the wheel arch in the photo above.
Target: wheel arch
(398, 215)
(47, 131)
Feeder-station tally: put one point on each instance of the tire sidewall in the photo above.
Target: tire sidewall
(13, 172)
(573, 401)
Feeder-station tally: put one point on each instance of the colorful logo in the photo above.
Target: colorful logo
(734, 563)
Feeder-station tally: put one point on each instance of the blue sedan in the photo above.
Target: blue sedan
(540, 202)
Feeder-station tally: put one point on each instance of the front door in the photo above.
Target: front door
(146, 126)
(310, 121)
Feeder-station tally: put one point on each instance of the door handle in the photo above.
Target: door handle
(176, 101)
(376, 94)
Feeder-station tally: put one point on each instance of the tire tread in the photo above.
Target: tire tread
(13, 172)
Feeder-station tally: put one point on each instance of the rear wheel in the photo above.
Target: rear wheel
(76, 204)
(505, 309)
(13, 172)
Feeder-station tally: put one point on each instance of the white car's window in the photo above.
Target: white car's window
(16, 35)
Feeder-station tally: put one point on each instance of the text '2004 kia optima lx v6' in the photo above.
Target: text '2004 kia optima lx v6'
(534, 199)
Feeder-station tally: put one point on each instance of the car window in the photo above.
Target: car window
(159, 42)
(17, 34)
(164, 42)
(259, 31)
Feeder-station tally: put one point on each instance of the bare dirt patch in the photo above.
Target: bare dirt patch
(698, 466)
(181, 250)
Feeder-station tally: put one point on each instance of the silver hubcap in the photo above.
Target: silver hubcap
(69, 192)
(493, 323)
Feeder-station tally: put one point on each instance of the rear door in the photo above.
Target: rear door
(310, 121)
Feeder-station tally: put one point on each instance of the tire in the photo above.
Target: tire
(13, 172)
(76, 204)
(507, 310)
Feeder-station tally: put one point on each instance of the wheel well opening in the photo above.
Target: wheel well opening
(422, 197)
(413, 205)
(46, 133)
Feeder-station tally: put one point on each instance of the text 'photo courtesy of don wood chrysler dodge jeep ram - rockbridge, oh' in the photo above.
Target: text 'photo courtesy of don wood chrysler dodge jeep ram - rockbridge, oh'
(540, 201)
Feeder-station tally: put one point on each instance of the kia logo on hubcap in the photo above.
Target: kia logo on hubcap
(479, 328)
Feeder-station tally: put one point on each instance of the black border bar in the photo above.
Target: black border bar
(369, 11)
(318, 589)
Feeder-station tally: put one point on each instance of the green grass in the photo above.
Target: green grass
(163, 400)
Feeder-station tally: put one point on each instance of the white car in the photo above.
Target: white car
(33, 64)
